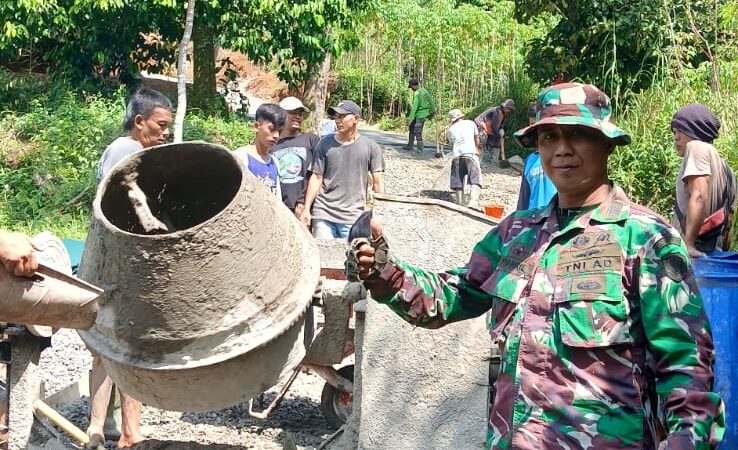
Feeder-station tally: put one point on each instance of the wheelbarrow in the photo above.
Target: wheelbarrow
(332, 324)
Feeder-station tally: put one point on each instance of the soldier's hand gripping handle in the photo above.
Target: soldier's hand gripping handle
(366, 257)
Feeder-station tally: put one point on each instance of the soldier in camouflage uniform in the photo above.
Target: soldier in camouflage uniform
(605, 343)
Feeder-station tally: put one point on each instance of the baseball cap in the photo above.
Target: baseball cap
(454, 115)
(291, 104)
(573, 104)
(345, 107)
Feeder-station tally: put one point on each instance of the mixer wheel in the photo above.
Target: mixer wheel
(336, 405)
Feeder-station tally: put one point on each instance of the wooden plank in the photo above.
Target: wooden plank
(471, 213)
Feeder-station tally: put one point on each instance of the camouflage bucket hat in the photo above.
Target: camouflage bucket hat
(573, 104)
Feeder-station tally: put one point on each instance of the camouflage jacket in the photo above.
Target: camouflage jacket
(605, 341)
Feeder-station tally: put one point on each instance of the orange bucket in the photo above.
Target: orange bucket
(494, 210)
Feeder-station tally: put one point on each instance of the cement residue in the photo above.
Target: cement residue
(221, 295)
(183, 193)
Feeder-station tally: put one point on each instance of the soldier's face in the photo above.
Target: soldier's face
(574, 157)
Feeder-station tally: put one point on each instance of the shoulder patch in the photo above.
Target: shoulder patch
(675, 266)
(613, 212)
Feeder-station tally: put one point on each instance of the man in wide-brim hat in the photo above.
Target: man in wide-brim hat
(592, 300)
(463, 136)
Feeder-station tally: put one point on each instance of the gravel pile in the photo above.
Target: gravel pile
(298, 419)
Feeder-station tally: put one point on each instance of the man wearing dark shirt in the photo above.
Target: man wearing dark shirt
(491, 125)
(294, 151)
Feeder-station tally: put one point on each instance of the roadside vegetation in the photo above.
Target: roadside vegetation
(53, 137)
(650, 58)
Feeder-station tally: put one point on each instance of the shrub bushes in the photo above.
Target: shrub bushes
(374, 91)
(52, 144)
(49, 181)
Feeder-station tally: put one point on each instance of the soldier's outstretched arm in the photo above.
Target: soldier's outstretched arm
(422, 297)
(680, 342)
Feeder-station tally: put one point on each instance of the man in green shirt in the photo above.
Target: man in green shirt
(423, 108)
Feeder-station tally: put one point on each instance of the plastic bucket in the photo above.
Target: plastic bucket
(717, 278)
(494, 210)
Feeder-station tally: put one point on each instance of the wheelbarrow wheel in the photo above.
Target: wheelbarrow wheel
(336, 405)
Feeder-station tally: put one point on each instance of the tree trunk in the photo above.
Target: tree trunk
(182, 72)
(204, 95)
(319, 93)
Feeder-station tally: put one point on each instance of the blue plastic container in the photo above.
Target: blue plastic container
(717, 278)
(75, 247)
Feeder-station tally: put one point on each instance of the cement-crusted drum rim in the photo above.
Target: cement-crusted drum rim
(232, 350)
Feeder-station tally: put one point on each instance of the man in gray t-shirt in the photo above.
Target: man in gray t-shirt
(117, 150)
(336, 193)
(148, 116)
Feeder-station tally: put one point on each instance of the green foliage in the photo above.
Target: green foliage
(18, 90)
(618, 45)
(464, 54)
(230, 132)
(373, 89)
(86, 40)
(647, 168)
(295, 35)
(51, 150)
(391, 123)
(57, 155)
(23, 19)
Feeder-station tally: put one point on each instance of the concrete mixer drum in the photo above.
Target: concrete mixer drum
(207, 278)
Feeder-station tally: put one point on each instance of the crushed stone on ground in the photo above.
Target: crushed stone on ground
(298, 422)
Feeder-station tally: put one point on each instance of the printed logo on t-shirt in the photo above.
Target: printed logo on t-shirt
(536, 172)
(265, 173)
(291, 162)
(267, 182)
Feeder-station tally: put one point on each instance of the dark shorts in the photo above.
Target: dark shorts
(464, 166)
(416, 126)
